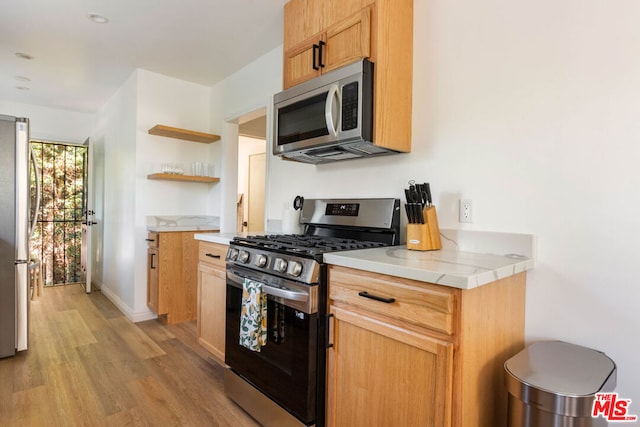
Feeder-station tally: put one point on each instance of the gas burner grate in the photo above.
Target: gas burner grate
(304, 244)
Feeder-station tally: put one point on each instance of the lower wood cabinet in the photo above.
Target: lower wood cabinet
(420, 354)
(212, 297)
(382, 375)
(172, 259)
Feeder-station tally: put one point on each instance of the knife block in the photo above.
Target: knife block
(425, 237)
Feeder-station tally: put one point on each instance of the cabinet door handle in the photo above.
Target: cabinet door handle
(328, 331)
(315, 56)
(213, 256)
(320, 53)
(377, 298)
(150, 240)
(152, 261)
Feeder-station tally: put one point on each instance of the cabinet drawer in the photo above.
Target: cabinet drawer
(422, 304)
(213, 253)
(153, 239)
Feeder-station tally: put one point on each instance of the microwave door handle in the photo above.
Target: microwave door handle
(333, 117)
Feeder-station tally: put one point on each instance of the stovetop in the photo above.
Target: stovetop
(330, 225)
(301, 244)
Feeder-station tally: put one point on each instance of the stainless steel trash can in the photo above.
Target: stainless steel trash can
(554, 383)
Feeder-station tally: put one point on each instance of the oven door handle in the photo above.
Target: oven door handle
(236, 281)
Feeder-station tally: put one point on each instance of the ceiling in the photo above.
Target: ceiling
(78, 64)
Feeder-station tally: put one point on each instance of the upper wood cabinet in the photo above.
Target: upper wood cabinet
(331, 33)
(340, 44)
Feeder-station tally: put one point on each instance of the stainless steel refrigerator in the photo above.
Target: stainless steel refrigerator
(16, 223)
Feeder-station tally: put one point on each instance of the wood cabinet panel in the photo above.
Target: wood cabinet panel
(393, 82)
(348, 41)
(304, 19)
(337, 10)
(172, 275)
(484, 327)
(406, 379)
(152, 239)
(212, 294)
(212, 253)
(212, 297)
(421, 304)
(153, 296)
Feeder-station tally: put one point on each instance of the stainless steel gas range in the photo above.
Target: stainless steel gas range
(281, 383)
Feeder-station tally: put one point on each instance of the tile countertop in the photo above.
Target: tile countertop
(467, 260)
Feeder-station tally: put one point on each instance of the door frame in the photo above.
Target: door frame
(229, 166)
(87, 226)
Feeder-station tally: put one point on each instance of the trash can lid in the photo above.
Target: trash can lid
(561, 368)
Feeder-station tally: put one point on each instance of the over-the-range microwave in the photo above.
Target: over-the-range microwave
(328, 118)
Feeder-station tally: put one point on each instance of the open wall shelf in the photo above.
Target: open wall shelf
(183, 178)
(184, 134)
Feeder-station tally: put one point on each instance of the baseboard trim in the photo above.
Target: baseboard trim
(125, 309)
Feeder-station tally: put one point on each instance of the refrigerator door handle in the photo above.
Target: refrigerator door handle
(22, 306)
(22, 191)
(37, 175)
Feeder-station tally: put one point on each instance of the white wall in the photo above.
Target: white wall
(246, 91)
(52, 124)
(129, 154)
(531, 110)
(177, 103)
(115, 156)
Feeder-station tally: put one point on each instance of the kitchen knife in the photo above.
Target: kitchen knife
(423, 193)
(419, 214)
(409, 213)
(407, 205)
(428, 191)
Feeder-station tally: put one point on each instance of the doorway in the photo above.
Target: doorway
(252, 135)
(57, 235)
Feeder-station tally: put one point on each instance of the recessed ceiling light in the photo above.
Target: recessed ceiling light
(23, 55)
(23, 79)
(22, 88)
(98, 19)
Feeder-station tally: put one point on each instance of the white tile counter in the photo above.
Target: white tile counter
(451, 266)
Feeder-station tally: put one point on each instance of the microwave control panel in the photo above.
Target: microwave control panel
(350, 106)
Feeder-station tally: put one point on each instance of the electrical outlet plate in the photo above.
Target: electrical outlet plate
(466, 210)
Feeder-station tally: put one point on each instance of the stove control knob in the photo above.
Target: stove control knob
(261, 260)
(295, 268)
(280, 265)
(243, 257)
(233, 254)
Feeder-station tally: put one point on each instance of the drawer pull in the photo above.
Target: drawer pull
(150, 240)
(377, 298)
(213, 256)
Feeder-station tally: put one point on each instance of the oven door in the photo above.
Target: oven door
(285, 368)
(308, 120)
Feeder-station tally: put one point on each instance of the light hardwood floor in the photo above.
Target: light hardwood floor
(88, 365)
